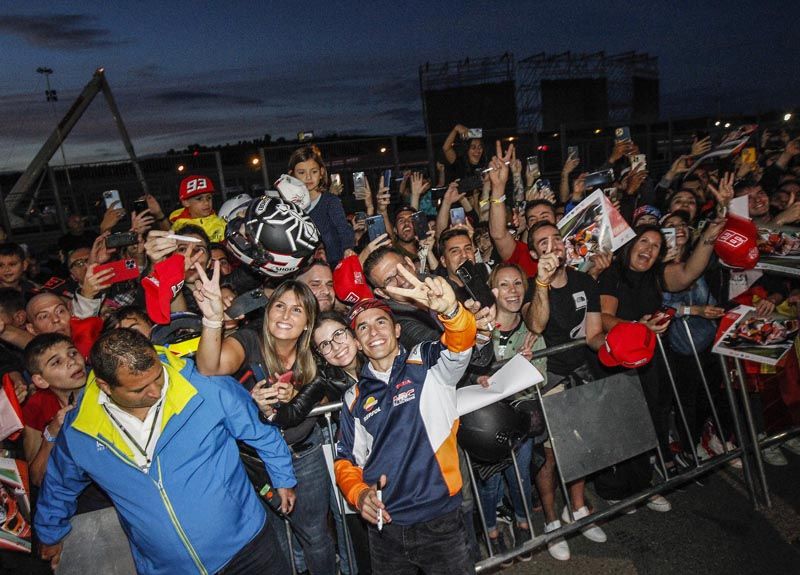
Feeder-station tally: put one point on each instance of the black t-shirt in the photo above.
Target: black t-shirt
(253, 353)
(638, 292)
(568, 308)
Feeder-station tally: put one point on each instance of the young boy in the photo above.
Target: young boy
(195, 193)
(59, 373)
(12, 269)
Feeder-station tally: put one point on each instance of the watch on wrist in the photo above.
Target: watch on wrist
(687, 310)
(46, 434)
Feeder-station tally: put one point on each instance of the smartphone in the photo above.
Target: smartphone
(474, 133)
(420, 220)
(520, 205)
(259, 372)
(387, 178)
(532, 167)
(139, 206)
(639, 161)
(599, 179)
(749, 155)
(475, 284)
(121, 239)
(375, 227)
(666, 313)
(111, 199)
(336, 179)
(359, 185)
(124, 270)
(469, 183)
(361, 216)
(573, 153)
(622, 134)
(247, 302)
(457, 216)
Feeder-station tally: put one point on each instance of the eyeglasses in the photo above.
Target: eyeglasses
(79, 263)
(339, 336)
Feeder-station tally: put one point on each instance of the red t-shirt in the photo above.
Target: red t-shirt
(40, 409)
(522, 257)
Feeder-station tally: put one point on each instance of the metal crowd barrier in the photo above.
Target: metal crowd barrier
(749, 450)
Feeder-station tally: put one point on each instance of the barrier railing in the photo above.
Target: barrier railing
(748, 449)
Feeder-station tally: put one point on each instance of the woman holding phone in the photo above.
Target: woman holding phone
(326, 209)
(283, 352)
(469, 163)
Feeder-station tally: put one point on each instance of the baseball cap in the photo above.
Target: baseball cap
(629, 344)
(363, 306)
(737, 245)
(192, 186)
(349, 282)
(646, 210)
(400, 210)
(161, 286)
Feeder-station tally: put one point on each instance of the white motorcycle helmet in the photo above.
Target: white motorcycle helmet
(293, 190)
(235, 207)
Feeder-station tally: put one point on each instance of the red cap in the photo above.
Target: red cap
(629, 344)
(349, 282)
(85, 332)
(363, 306)
(162, 286)
(737, 244)
(194, 186)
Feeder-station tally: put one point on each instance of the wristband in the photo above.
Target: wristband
(453, 313)
(687, 310)
(49, 438)
(212, 323)
(542, 284)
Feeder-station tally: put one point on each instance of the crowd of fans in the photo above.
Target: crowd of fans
(140, 390)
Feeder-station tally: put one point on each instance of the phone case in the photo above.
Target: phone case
(124, 270)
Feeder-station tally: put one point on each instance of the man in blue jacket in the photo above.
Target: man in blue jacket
(160, 439)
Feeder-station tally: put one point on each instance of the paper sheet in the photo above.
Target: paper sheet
(513, 377)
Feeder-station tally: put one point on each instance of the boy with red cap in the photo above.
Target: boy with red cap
(195, 193)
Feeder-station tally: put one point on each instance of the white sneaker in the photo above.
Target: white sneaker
(715, 445)
(628, 511)
(792, 445)
(659, 503)
(592, 532)
(773, 455)
(557, 548)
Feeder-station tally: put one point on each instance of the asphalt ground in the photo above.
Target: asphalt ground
(711, 529)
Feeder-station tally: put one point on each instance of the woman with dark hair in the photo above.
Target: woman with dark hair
(326, 209)
(467, 164)
(282, 362)
(631, 290)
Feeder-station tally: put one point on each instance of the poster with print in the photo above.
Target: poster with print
(745, 335)
(780, 250)
(15, 506)
(593, 226)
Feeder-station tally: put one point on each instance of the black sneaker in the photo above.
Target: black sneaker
(521, 535)
(499, 547)
(504, 512)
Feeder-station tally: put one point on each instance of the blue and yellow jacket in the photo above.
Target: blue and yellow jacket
(195, 508)
(407, 429)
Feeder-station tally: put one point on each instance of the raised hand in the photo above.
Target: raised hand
(700, 147)
(141, 222)
(379, 242)
(158, 246)
(100, 254)
(208, 294)
(434, 293)
(499, 167)
(723, 193)
(419, 184)
(95, 283)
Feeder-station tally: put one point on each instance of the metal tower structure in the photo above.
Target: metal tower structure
(619, 71)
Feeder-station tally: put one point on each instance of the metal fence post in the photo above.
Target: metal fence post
(220, 174)
(340, 499)
(737, 426)
(677, 396)
(479, 505)
(748, 414)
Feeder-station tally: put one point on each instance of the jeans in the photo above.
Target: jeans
(309, 520)
(261, 555)
(491, 490)
(436, 547)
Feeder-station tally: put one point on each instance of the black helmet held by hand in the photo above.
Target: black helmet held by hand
(490, 433)
(273, 237)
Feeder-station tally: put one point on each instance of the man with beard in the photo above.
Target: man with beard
(405, 240)
(317, 275)
(565, 307)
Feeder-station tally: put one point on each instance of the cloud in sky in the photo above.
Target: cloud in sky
(59, 31)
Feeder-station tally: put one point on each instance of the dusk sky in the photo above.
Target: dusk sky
(186, 72)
